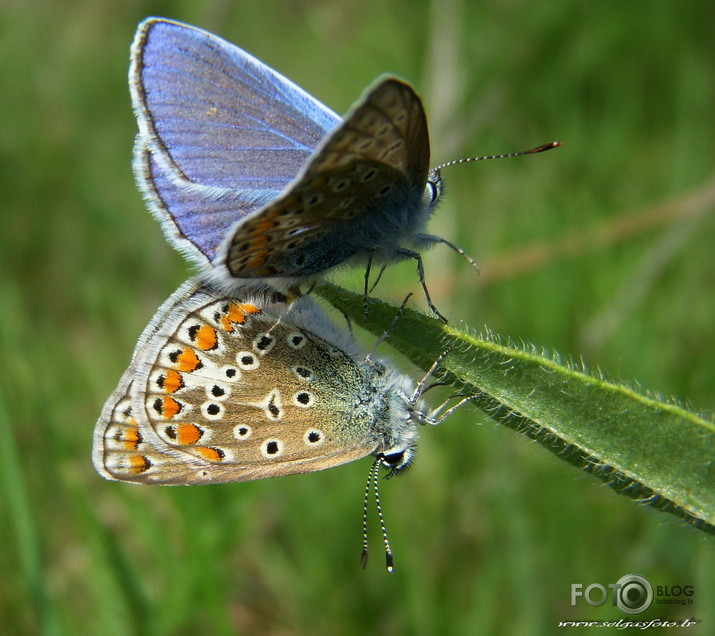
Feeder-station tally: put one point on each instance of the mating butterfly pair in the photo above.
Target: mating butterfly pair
(264, 188)
(257, 182)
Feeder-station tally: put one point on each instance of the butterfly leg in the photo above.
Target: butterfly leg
(431, 238)
(377, 280)
(348, 322)
(437, 416)
(420, 388)
(421, 273)
(365, 291)
(368, 289)
(387, 331)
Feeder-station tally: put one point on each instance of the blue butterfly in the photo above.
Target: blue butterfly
(255, 180)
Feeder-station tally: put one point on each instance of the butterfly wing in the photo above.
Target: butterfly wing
(195, 218)
(120, 449)
(218, 124)
(361, 190)
(230, 389)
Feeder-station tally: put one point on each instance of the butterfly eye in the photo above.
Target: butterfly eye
(393, 460)
(398, 459)
(433, 189)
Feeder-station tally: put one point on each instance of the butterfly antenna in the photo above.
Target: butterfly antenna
(389, 560)
(372, 479)
(542, 148)
(387, 331)
(366, 502)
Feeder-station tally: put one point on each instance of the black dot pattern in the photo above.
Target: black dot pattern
(303, 372)
(264, 342)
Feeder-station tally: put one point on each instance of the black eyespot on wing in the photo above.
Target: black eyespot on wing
(264, 342)
(273, 408)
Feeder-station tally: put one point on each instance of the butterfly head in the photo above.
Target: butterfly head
(433, 189)
(388, 408)
(397, 459)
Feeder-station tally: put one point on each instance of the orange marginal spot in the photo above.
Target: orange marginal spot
(212, 454)
(187, 360)
(172, 381)
(169, 407)
(250, 309)
(257, 260)
(187, 434)
(318, 183)
(262, 241)
(234, 316)
(205, 338)
(262, 226)
(131, 439)
(138, 464)
(226, 324)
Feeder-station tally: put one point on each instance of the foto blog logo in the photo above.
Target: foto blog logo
(632, 593)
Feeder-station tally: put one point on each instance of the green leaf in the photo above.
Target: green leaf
(654, 451)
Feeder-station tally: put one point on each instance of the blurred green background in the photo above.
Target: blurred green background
(603, 249)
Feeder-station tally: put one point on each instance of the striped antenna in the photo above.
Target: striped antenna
(542, 148)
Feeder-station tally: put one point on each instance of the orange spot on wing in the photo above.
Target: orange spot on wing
(205, 338)
(131, 439)
(187, 360)
(212, 454)
(264, 225)
(138, 464)
(236, 315)
(250, 309)
(188, 434)
(169, 407)
(172, 381)
(319, 183)
(257, 260)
